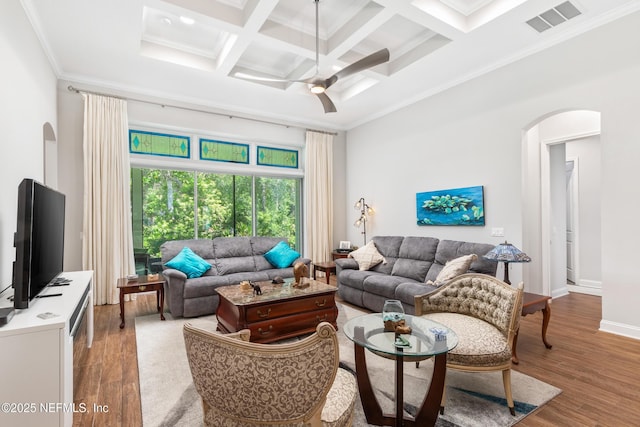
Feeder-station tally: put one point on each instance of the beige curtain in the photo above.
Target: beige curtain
(107, 244)
(319, 195)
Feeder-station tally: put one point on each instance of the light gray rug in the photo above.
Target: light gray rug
(473, 399)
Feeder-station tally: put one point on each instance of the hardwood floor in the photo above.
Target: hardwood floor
(598, 372)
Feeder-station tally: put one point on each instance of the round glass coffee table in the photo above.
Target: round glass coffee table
(368, 332)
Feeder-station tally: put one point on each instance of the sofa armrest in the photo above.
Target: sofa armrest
(346, 264)
(174, 290)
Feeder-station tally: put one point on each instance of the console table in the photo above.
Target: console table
(36, 360)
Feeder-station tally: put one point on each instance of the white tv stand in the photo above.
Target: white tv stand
(36, 355)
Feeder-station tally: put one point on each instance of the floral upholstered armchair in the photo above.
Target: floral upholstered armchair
(250, 384)
(484, 312)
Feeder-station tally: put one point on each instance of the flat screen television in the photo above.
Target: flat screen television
(39, 240)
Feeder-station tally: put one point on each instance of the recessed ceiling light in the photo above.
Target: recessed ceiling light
(186, 20)
(166, 21)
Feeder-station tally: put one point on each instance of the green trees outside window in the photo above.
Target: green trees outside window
(172, 205)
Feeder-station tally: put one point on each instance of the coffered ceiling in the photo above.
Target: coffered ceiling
(202, 51)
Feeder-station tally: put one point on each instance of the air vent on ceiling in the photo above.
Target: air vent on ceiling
(554, 16)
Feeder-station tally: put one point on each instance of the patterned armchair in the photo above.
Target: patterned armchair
(250, 384)
(485, 314)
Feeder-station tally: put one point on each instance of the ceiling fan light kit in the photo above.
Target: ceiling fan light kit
(317, 85)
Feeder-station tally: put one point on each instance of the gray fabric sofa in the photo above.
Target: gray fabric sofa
(233, 259)
(410, 262)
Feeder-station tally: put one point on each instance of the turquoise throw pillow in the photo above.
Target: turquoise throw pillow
(189, 263)
(281, 255)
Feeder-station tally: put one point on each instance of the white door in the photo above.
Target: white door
(571, 252)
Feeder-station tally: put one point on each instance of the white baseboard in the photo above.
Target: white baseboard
(620, 329)
(590, 283)
(560, 292)
(585, 290)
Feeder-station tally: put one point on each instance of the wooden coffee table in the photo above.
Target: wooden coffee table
(141, 284)
(282, 311)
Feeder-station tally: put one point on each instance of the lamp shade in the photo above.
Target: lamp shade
(506, 252)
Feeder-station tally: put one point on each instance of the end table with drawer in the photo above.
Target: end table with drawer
(144, 283)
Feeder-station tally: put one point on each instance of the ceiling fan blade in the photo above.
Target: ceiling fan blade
(246, 76)
(372, 60)
(328, 105)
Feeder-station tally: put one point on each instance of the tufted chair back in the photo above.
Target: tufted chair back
(484, 312)
(250, 384)
(481, 296)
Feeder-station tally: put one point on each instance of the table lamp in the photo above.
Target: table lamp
(506, 253)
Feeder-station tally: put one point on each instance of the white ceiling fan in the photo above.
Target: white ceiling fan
(319, 85)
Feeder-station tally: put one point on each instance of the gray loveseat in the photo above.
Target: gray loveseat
(233, 259)
(410, 262)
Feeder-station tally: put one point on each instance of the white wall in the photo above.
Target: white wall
(27, 102)
(472, 135)
(147, 115)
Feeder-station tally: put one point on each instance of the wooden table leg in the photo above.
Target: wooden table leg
(370, 403)
(427, 414)
(161, 308)
(546, 316)
(121, 309)
(399, 390)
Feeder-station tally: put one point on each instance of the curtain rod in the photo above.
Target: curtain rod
(70, 88)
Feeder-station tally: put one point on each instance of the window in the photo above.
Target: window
(173, 205)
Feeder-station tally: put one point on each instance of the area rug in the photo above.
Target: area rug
(169, 398)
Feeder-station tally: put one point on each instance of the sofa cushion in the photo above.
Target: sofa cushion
(382, 284)
(407, 291)
(416, 255)
(450, 249)
(453, 268)
(389, 248)
(479, 342)
(354, 278)
(367, 256)
(203, 286)
(281, 255)
(189, 263)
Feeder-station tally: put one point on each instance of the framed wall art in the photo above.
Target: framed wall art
(457, 206)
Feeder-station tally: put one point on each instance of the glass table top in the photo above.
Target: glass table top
(368, 331)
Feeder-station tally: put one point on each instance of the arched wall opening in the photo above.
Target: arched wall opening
(556, 224)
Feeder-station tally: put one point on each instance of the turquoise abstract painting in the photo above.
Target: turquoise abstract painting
(457, 206)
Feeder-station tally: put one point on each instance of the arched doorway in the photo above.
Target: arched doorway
(546, 234)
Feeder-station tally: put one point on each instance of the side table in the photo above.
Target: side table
(326, 267)
(141, 284)
(367, 331)
(337, 255)
(530, 304)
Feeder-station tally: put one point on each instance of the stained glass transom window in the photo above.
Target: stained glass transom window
(159, 144)
(277, 157)
(222, 151)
